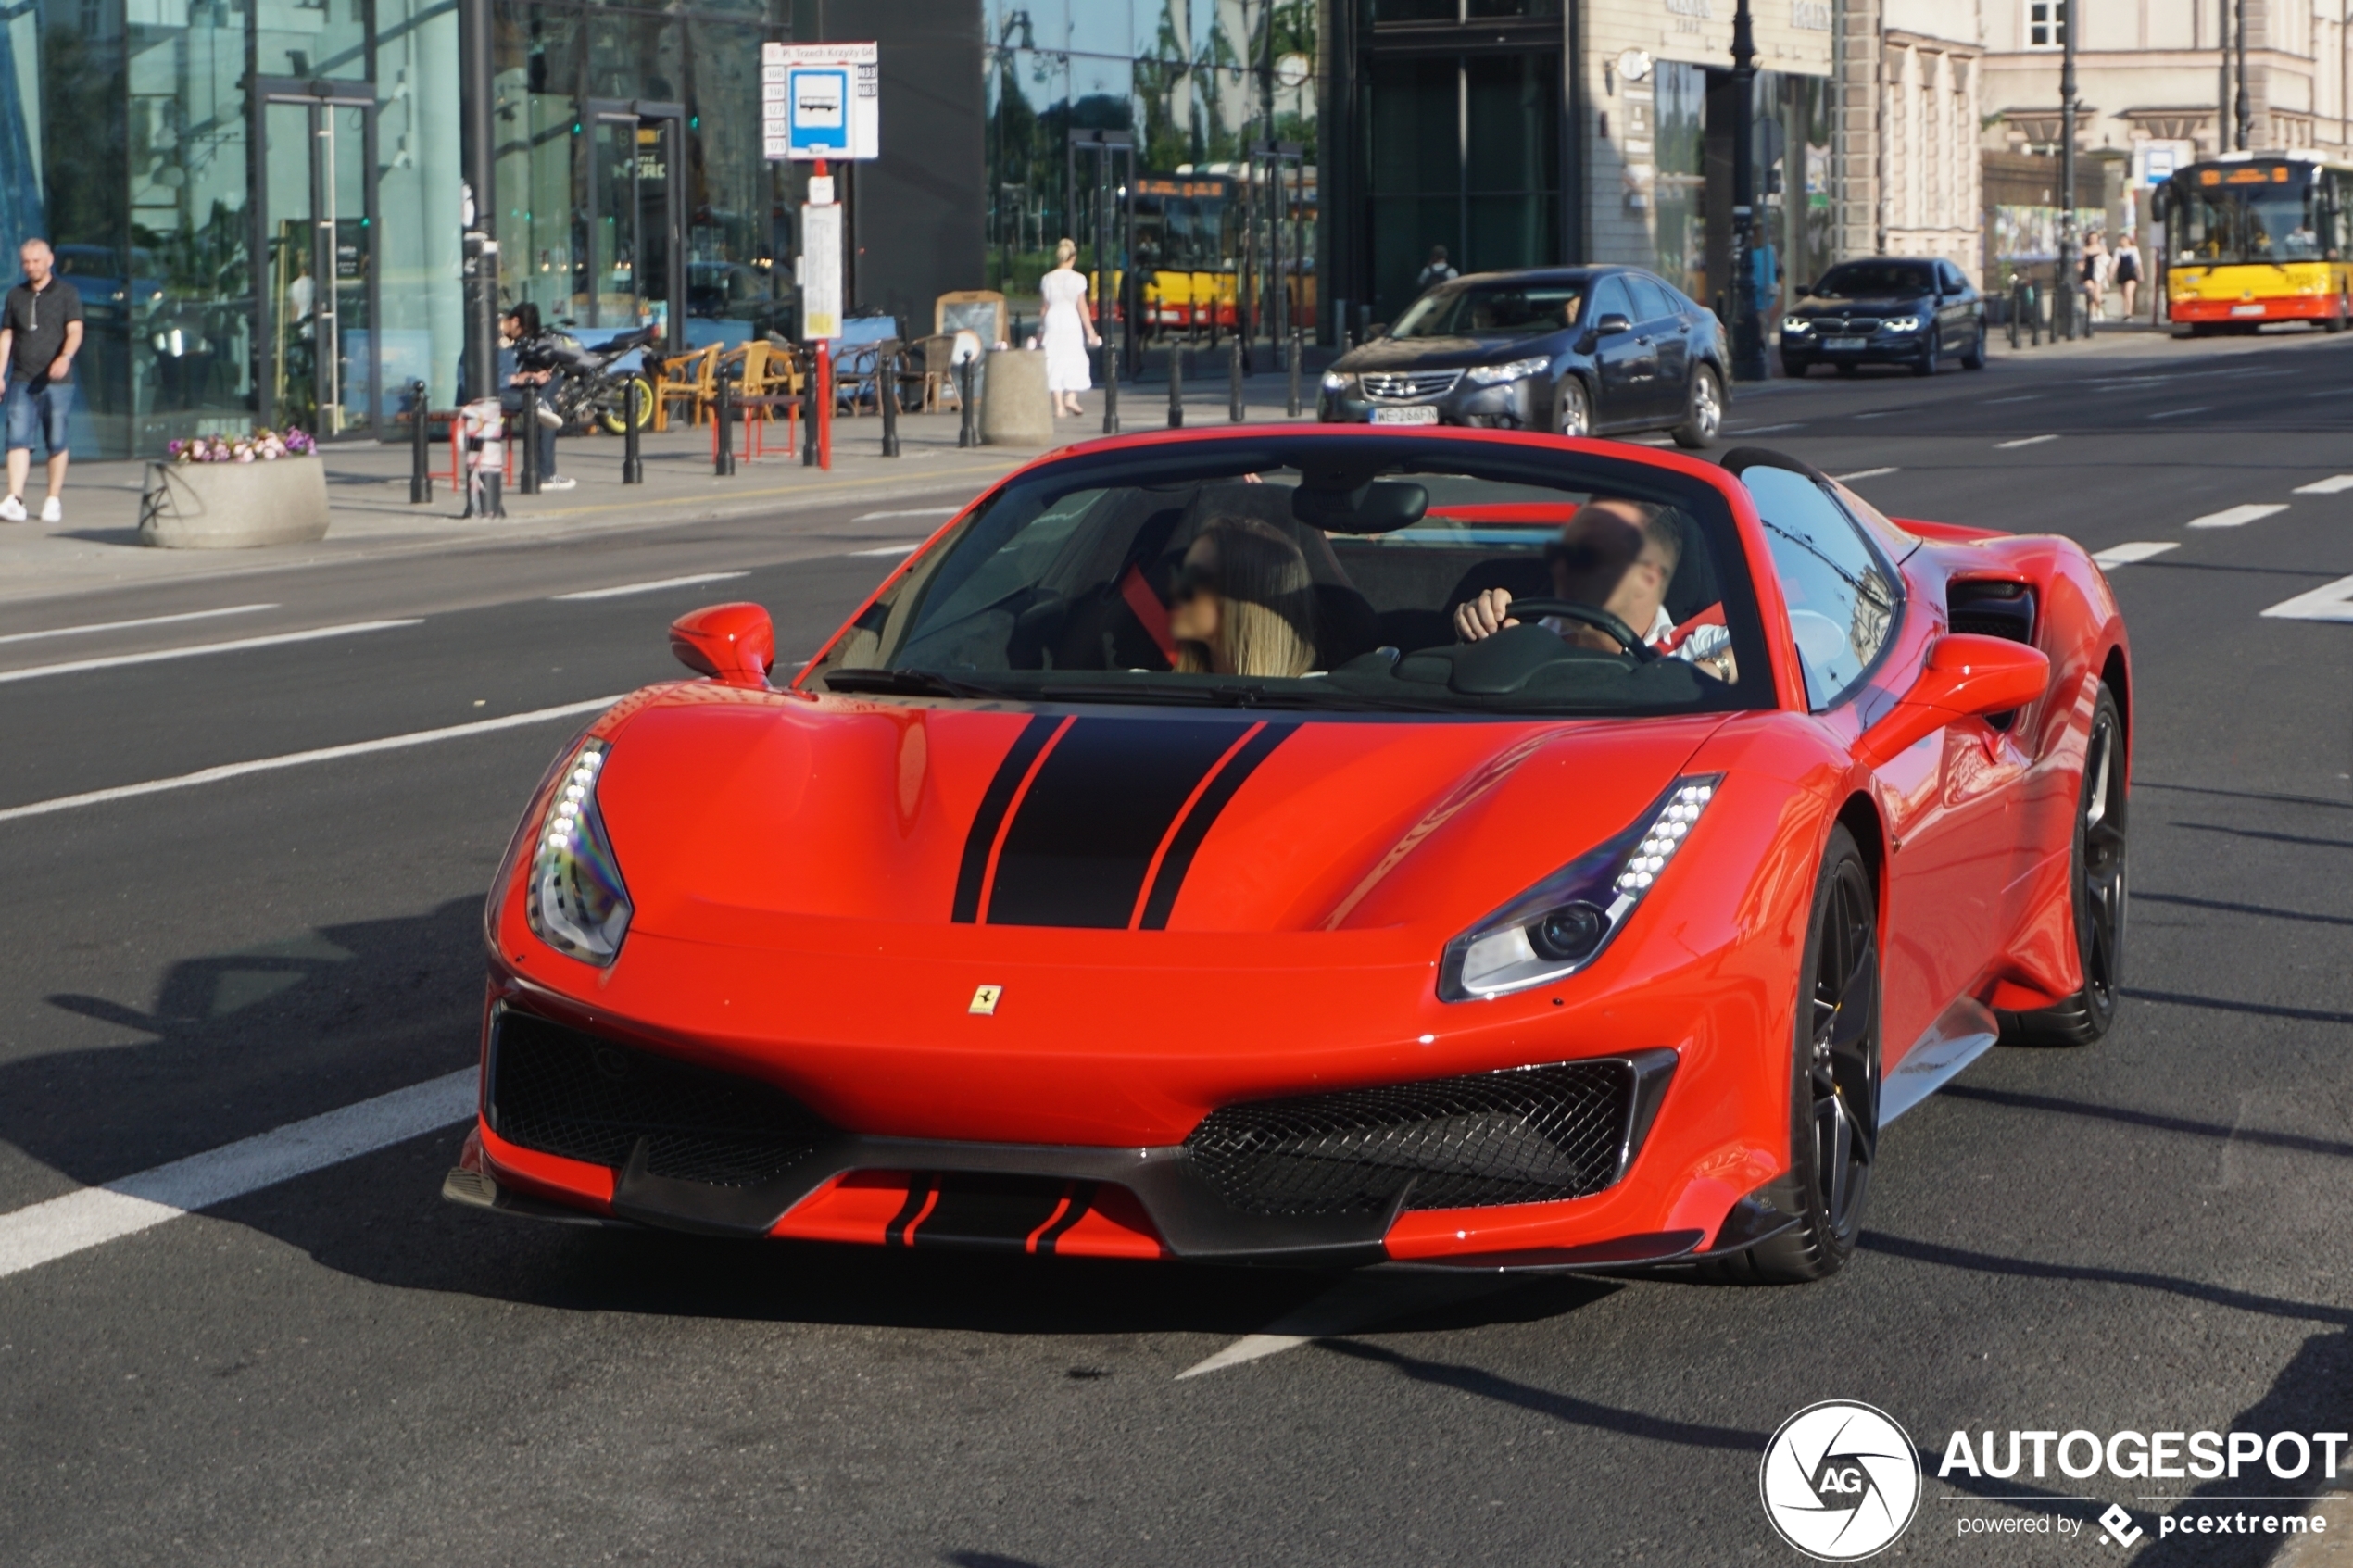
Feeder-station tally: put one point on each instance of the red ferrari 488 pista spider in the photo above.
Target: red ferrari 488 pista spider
(1464, 849)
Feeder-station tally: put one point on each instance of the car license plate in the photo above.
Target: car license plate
(1422, 415)
(2247, 310)
(1842, 341)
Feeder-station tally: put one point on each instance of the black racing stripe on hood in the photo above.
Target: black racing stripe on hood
(982, 837)
(1202, 817)
(1103, 800)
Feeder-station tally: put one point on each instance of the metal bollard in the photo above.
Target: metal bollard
(1234, 410)
(967, 415)
(1298, 347)
(528, 478)
(809, 417)
(722, 435)
(887, 394)
(2017, 308)
(1175, 387)
(632, 466)
(420, 472)
(1111, 388)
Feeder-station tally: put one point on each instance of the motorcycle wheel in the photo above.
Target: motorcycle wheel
(610, 415)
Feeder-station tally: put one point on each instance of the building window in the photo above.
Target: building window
(2046, 24)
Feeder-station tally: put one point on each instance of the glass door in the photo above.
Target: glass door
(636, 217)
(316, 368)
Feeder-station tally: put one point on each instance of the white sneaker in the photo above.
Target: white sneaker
(52, 510)
(548, 417)
(558, 482)
(11, 510)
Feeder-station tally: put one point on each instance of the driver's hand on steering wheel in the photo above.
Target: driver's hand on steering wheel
(1484, 615)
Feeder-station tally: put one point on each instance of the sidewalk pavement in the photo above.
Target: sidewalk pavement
(97, 546)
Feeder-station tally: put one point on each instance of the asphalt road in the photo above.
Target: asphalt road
(339, 1368)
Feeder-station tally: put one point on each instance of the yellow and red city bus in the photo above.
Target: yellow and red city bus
(1188, 235)
(2255, 237)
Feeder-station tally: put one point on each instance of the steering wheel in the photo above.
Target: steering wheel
(1526, 610)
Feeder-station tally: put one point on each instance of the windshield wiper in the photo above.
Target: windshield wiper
(905, 682)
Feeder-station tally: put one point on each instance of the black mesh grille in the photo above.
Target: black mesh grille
(1993, 609)
(561, 1092)
(1526, 1137)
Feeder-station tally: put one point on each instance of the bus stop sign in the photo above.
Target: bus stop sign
(820, 101)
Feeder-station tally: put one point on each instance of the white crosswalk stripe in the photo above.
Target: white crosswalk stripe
(2332, 603)
(2139, 549)
(2237, 517)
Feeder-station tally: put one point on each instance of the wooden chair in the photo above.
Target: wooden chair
(694, 377)
(931, 365)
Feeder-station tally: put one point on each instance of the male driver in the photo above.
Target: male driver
(40, 334)
(1618, 556)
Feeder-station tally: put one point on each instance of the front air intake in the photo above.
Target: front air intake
(565, 1092)
(1533, 1134)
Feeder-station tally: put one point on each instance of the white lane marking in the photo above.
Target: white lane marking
(1765, 429)
(2177, 413)
(2332, 392)
(2139, 549)
(2023, 441)
(888, 550)
(41, 1233)
(1883, 414)
(298, 759)
(919, 511)
(2328, 486)
(117, 660)
(2022, 397)
(2332, 603)
(1357, 1302)
(2236, 517)
(655, 585)
(126, 625)
(1864, 474)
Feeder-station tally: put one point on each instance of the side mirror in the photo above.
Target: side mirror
(1966, 676)
(1613, 323)
(733, 644)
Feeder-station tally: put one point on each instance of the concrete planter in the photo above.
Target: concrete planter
(234, 506)
(1017, 411)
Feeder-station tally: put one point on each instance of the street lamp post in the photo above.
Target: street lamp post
(2246, 105)
(2065, 295)
(1748, 329)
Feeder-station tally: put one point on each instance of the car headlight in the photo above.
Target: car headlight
(1518, 370)
(1796, 326)
(576, 901)
(1335, 381)
(1562, 924)
(1900, 324)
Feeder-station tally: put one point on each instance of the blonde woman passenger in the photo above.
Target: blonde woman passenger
(1069, 329)
(1244, 603)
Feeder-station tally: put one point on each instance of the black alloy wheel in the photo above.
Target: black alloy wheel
(1796, 368)
(1835, 1089)
(1572, 409)
(1703, 410)
(2098, 892)
(1973, 356)
(1926, 364)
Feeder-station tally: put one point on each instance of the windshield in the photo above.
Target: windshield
(1352, 574)
(2250, 213)
(1494, 310)
(1854, 277)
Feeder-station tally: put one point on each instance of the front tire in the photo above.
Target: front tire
(1572, 409)
(1796, 369)
(2097, 892)
(1973, 356)
(1704, 413)
(614, 416)
(1834, 1082)
(1926, 365)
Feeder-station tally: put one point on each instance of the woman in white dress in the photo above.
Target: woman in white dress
(1069, 329)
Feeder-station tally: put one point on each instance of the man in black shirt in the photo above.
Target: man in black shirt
(40, 334)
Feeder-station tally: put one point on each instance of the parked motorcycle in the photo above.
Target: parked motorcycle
(592, 390)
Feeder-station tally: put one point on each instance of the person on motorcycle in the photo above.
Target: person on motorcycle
(524, 361)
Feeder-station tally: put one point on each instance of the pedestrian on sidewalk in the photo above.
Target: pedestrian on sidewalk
(521, 363)
(1438, 271)
(40, 334)
(2096, 263)
(2127, 271)
(1068, 331)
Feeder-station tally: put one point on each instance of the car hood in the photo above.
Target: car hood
(1876, 304)
(1445, 353)
(743, 821)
